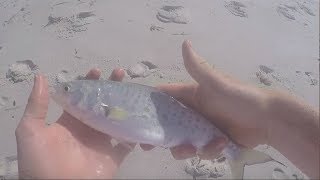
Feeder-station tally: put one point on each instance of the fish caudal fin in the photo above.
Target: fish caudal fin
(239, 156)
(246, 156)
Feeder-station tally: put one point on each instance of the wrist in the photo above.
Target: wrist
(276, 112)
(272, 121)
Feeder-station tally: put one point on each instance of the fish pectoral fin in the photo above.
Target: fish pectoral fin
(252, 156)
(114, 113)
(248, 156)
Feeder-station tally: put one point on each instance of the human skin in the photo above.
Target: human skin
(248, 115)
(66, 149)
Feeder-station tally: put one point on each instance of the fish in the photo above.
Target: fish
(137, 113)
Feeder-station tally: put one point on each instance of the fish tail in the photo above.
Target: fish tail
(239, 156)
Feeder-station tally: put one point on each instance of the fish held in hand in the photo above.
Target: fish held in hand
(142, 114)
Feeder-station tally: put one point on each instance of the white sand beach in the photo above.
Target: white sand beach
(271, 44)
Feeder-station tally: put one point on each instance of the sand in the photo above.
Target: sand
(271, 44)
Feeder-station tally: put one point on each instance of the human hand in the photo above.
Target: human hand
(68, 148)
(235, 108)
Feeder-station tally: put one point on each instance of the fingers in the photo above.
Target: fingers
(146, 147)
(197, 67)
(183, 152)
(93, 74)
(184, 93)
(210, 151)
(117, 75)
(213, 148)
(37, 107)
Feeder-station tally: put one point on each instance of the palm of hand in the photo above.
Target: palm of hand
(65, 149)
(229, 104)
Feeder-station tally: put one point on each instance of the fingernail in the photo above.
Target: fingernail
(189, 43)
(37, 79)
(35, 88)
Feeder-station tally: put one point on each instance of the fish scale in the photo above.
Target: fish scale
(142, 114)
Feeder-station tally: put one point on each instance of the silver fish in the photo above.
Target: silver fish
(142, 114)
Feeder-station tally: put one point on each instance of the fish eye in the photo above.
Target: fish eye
(66, 88)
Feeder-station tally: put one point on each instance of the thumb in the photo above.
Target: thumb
(197, 67)
(37, 107)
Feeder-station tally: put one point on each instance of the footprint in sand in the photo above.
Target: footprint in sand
(1, 50)
(286, 11)
(21, 71)
(300, 12)
(263, 76)
(9, 167)
(67, 24)
(173, 14)
(3, 101)
(268, 76)
(236, 8)
(310, 75)
(198, 168)
(279, 174)
(141, 69)
(156, 28)
(306, 9)
(313, 80)
(20, 12)
(68, 27)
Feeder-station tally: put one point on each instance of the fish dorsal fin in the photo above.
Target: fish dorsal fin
(114, 113)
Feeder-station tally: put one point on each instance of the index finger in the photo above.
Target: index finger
(93, 74)
(117, 75)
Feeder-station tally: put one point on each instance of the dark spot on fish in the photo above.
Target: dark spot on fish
(14, 103)
(298, 71)
(22, 9)
(12, 116)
